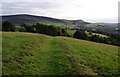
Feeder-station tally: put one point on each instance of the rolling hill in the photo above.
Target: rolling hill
(31, 19)
(38, 54)
(63, 23)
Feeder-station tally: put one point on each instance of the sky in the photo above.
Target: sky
(87, 10)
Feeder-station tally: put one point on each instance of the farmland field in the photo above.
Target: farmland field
(38, 54)
(71, 32)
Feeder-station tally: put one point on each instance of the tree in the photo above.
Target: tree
(80, 34)
(27, 28)
(39, 28)
(8, 26)
(90, 33)
(22, 29)
(95, 38)
(64, 33)
(50, 30)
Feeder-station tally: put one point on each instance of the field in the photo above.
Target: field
(92, 25)
(71, 32)
(38, 54)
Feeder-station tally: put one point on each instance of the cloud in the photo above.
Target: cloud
(26, 7)
(88, 10)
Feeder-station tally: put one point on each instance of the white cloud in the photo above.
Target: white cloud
(88, 10)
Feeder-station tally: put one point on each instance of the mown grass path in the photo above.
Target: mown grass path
(50, 58)
(34, 55)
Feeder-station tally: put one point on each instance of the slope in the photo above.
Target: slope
(31, 19)
(37, 54)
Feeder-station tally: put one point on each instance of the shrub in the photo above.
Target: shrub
(8, 26)
(80, 35)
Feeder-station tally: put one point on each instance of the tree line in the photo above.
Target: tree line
(112, 39)
(35, 28)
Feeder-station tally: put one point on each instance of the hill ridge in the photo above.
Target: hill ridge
(27, 18)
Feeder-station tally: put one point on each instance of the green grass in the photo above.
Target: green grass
(53, 23)
(92, 25)
(101, 35)
(37, 54)
(70, 26)
(71, 32)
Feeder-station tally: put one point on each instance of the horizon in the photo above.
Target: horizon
(58, 18)
(94, 12)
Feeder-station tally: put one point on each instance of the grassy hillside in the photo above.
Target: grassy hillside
(37, 54)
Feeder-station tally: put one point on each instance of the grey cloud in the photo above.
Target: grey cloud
(23, 7)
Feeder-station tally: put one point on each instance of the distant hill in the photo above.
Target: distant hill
(109, 24)
(31, 19)
(73, 24)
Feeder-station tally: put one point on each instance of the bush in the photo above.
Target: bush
(80, 35)
(27, 28)
(95, 38)
(22, 29)
(8, 26)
